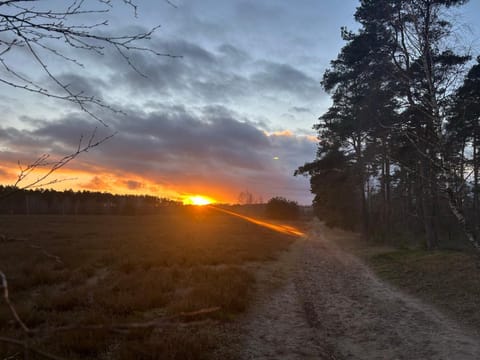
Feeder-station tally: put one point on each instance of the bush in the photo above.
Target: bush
(281, 208)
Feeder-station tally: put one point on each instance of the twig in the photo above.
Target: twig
(51, 166)
(52, 32)
(171, 4)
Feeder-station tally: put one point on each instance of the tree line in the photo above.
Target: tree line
(69, 202)
(398, 154)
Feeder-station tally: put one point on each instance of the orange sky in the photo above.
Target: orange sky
(264, 168)
(104, 180)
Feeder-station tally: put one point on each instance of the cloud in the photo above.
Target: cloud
(4, 173)
(133, 184)
(84, 85)
(300, 109)
(284, 78)
(224, 74)
(233, 55)
(199, 74)
(96, 183)
(216, 118)
(212, 148)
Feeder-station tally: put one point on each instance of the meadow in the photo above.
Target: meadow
(124, 287)
(448, 279)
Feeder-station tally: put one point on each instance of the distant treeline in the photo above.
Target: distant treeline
(44, 201)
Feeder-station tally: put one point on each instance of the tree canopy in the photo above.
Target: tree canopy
(398, 148)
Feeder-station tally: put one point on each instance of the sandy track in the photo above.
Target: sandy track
(318, 302)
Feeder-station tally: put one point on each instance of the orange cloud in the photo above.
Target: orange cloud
(280, 133)
(104, 180)
(311, 138)
(289, 133)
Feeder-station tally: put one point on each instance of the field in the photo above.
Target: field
(448, 279)
(124, 287)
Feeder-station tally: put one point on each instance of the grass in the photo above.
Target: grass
(120, 269)
(447, 279)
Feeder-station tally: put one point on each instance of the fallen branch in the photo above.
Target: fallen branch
(57, 259)
(125, 327)
(4, 286)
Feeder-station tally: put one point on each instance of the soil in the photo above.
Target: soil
(321, 302)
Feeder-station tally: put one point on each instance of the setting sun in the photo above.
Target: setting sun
(198, 200)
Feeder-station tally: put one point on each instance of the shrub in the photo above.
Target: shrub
(281, 208)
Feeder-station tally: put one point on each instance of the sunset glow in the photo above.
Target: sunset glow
(284, 229)
(82, 176)
(198, 200)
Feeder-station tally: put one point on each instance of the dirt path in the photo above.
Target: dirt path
(319, 302)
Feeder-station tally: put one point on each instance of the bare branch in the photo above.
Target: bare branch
(171, 4)
(42, 162)
(39, 31)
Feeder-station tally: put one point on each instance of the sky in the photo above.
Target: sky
(233, 114)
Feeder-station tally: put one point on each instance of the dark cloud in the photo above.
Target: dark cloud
(233, 54)
(223, 74)
(213, 138)
(198, 74)
(82, 85)
(284, 78)
(133, 185)
(23, 142)
(96, 183)
(191, 52)
(300, 109)
(213, 145)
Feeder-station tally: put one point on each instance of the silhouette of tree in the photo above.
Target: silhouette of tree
(281, 208)
(389, 132)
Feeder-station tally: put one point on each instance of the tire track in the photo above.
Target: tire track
(319, 302)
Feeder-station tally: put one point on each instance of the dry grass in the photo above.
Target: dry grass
(448, 279)
(120, 269)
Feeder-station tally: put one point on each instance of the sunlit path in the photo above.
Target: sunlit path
(284, 229)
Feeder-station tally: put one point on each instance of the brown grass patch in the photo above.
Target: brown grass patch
(120, 269)
(448, 279)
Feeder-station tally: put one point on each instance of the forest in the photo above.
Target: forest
(15, 201)
(399, 146)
